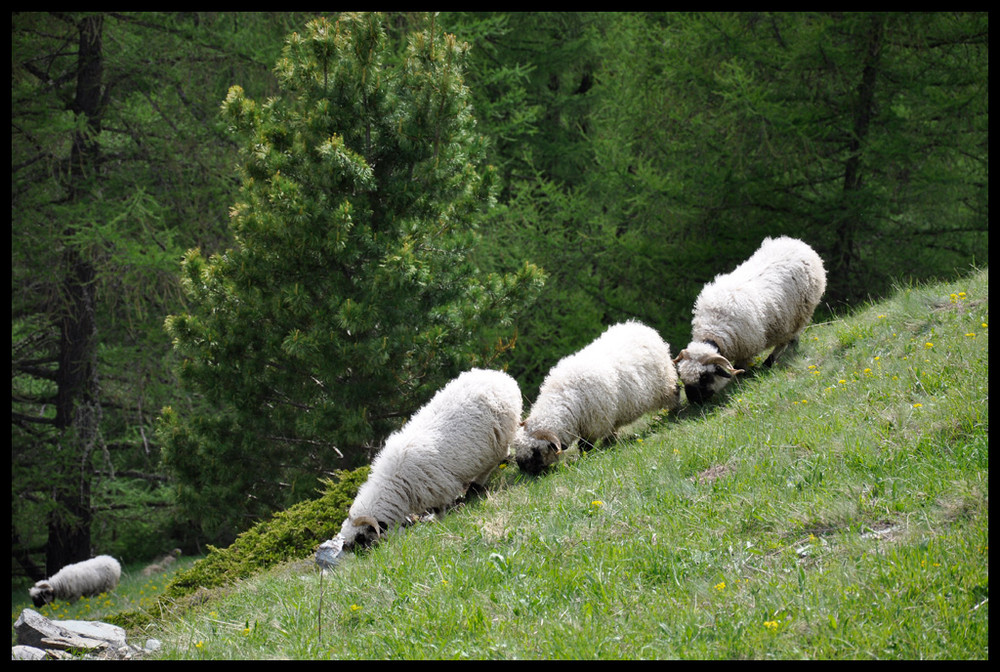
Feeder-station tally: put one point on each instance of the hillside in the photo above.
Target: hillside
(836, 506)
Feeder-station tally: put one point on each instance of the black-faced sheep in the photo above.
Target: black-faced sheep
(622, 375)
(765, 302)
(90, 577)
(456, 440)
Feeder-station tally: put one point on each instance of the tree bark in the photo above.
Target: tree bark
(864, 108)
(77, 399)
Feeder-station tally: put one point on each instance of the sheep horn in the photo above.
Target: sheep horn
(367, 520)
(545, 435)
(722, 362)
(681, 355)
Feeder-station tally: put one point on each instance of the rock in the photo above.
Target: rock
(112, 634)
(33, 629)
(21, 652)
(39, 637)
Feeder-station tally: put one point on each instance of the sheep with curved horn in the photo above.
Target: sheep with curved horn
(765, 302)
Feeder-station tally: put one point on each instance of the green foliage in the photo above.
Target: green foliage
(157, 181)
(289, 535)
(362, 187)
(808, 514)
(700, 134)
(636, 155)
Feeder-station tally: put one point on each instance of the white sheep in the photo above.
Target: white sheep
(765, 302)
(622, 375)
(90, 577)
(456, 440)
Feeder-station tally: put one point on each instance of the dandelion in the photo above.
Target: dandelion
(971, 334)
(928, 345)
(771, 625)
(720, 586)
(596, 504)
(842, 381)
(868, 372)
(246, 632)
(918, 405)
(355, 607)
(199, 645)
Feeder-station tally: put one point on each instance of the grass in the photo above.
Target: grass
(835, 506)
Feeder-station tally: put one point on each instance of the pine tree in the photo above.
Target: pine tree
(116, 169)
(351, 293)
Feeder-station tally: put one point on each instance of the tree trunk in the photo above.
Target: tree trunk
(864, 108)
(77, 402)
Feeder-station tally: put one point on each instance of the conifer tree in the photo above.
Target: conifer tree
(352, 292)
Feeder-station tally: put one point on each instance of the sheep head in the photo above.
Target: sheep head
(704, 371)
(537, 450)
(363, 531)
(42, 593)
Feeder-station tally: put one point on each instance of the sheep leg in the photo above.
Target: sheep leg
(778, 351)
(773, 357)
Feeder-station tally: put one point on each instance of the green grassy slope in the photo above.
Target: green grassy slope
(836, 506)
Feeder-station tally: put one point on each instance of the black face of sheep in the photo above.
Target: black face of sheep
(368, 535)
(42, 594)
(541, 455)
(706, 386)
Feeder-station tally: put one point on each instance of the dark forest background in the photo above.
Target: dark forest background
(246, 246)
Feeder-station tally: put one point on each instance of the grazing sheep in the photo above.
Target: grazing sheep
(162, 564)
(625, 373)
(765, 302)
(90, 577)
(456, 440)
